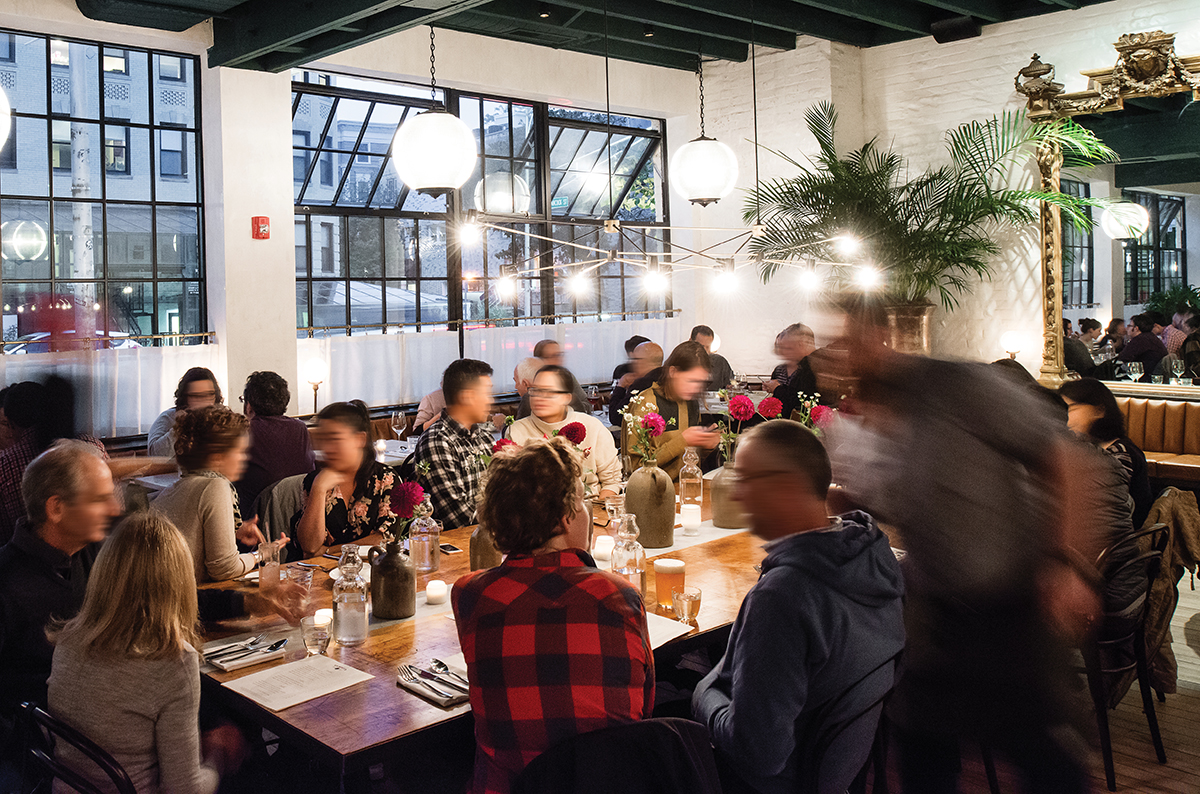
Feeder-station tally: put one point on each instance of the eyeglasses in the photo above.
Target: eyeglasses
(739, 477)
(545, 392)
(202, 395)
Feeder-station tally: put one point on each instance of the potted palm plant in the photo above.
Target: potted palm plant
(923, 234)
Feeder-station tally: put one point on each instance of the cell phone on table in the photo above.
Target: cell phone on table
(449, 548)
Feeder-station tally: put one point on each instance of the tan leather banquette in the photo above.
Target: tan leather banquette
(1168, 431)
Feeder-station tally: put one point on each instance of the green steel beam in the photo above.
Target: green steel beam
(1157, 172)
(666, 16)
(983, 10)
(889, 14)
(784, 15)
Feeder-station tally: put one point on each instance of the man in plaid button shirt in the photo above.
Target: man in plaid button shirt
(448, 460)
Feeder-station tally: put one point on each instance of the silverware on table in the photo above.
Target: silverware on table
(443, 669)
(430, 675)
(269, 649)
(411, 675)
(233, 647)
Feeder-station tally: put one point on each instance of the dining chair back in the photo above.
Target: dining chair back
(277, 504)
(41, 734)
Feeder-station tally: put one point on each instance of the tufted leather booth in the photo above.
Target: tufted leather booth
(1168, 431)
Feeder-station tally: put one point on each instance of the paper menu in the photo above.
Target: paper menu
(287, 685)
(663, 630)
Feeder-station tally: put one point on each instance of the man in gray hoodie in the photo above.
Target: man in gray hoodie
(824, 614)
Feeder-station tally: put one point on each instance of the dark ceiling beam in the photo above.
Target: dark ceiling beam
(592, 25)
(1147, 135)
(888, 14)
(1061, 3)
(983, 10)
(783, 15)
(1156, 172)
(666, 16)
(251, 32)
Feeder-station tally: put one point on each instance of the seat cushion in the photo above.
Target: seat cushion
(1176, 467)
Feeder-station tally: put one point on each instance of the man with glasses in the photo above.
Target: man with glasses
(824, 618)
(550, 353)
(197, 388)
(645, 368)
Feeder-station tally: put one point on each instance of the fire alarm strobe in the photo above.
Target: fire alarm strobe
(260, 227)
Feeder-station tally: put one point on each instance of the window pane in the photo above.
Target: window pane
(361, 180)
(422, 202)
(348, 118)
(328, 258)
(432, 249)
(329, 303)
(435, 303)
(302, 306)
(400, 248)
(174, 91)
(176, 166)
(178, 242)
(25, 239)
(29, 72)
(130, 241)
(27, 145)
(78, 253)
(366, 303)
(75, 79)
(127, 94)
(497, 137)
(19, 317)
(385, 120)
(180, 307)
(77, 152)
(366, 247)
(130, 309)
(523, 131)
(311, 114)
(301, 248)
(401, 302)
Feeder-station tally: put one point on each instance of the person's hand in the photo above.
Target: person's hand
(248, 534)
(772, 385)
(704, 437)
(225, 748)
(498, 421)
(627, 380)
(324, 482)
(288, 600)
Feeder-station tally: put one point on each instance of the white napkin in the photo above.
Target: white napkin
(258, 657)
(455, 663)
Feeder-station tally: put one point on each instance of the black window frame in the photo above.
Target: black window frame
(1078, 260)
(1146, 258)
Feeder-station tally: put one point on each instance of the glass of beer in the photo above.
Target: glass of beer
(668, 574)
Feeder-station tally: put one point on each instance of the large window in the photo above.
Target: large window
(1077, 254)
(374, 257)
(100, 206)
(1157, 260)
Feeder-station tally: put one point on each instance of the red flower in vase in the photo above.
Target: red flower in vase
(405, 498)
(575, 432)
(821, 415)
(741, 407)
(655, 424)
(769, 408)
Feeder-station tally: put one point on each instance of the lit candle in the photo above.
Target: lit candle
(435, 592)
(324, 616)
(380, 449)
(603, 548)
(689, 517)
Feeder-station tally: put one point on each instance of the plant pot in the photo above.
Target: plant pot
(909, 327)
(726, 513)
(650, 496)
(393, 582)
(484, 553)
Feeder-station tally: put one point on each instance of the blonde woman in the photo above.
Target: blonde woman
(126, 672)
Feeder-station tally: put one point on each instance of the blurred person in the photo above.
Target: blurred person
(997, 576)
(722, 373)
(1114, 335)
(280, 446)
(449, 458)
(429, 410)
(524, 373)
(1089, 331)
(1068, 330)
(783, 371)
(210, 447)
(674, 397)
(1093, 414)
(1171, 336)
(626, 367)
(1179, 319)
(1143, 346)
(550, 353)
(645, 368)
(825, 612)
(126, 670)
(347, 497)
(1077, 356)
(1191, 347)
(798, 345)
(551, 401)
(546, 601)
(197, 388)
(6, 429)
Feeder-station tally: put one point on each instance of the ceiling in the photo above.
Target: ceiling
(274, 35)
(1158, 139)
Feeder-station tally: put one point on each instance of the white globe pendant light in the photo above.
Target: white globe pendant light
(1125, 220)
(502, 192)
(434, 152)
(704, 170)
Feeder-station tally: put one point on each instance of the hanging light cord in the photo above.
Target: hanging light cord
(432, 68)
(700, 74)
(754, 99)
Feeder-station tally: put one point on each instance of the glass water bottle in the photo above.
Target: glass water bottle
(628, 556)
(691, 492)
(350, 596)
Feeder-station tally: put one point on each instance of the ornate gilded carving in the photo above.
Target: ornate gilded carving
(1049, 160)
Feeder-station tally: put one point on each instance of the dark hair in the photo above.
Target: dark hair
(1090, 391)
(191, 376)
(701, 330)
(528, 493)
(632, 342)
(565, 378)
(267, 393)
(48, 410)
(795, 444)
(354, 415)
(24, 403)
(1144, 323)
(1191, 321)
(541, 346)
(205, 432)
(798, 329)
(1158, 318)
(1066, 321)
(1113, 324)
(462, 375)
(1088, 324)
(685, 356)
(1014, 372)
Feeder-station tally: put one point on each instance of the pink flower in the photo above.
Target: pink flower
(821, 415)
(655, 424)
(405, 498)
(769, 408)
(360, 509)
(741, 407)
(501, 444)
(574, 432)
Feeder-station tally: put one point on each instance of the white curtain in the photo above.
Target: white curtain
(117, 392)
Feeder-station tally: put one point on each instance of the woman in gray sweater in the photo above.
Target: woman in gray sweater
(126, 672)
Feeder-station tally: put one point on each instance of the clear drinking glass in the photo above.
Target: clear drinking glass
(423, 539)
(398, 423)
(268, 572)
(1156, 378)
(686, 601)
(1135, 370)
(1177, 368)
(315, 631)
(301, 576)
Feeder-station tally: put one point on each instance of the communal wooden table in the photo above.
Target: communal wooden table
(349, 730)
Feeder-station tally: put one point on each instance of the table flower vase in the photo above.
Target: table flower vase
(393, 582)
(484, 553)
(650, 496)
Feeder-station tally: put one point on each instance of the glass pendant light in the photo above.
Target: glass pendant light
(704, 169)
(1125, 220)
(434, 152)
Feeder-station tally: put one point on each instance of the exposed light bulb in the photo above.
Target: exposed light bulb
(654, 282)
(810, 279)
(579, 284)
(725, 281)
(1011, 342)
(469, 233)
(847, 245)
(506, 287)
(868, 277)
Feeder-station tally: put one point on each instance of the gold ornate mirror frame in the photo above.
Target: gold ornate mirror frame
(1146, 66)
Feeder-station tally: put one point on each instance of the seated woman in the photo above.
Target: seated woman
(550, 401)
(546, 600)
(198, 388)
(126, 672)
(674, 398)
(346, 498)
(210, 446)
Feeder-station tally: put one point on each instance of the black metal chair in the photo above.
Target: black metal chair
(1101, 645)
(41, 732)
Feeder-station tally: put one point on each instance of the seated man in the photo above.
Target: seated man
(825, 612)
(280, 446)
(1143, 346)
(1171, 336)
(554, 647)
(621, 370)
(722, 373)
(550, 352)
(449, 457)
(797, 343)
(646, 364)
(524, 373)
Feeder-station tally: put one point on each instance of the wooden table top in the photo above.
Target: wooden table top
(351, 728)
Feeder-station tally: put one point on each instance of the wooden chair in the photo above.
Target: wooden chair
(1094, 648)
(41, 733)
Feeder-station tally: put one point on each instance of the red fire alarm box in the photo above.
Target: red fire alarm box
(260, 227)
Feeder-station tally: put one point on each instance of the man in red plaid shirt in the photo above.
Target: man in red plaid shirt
(554, 647)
